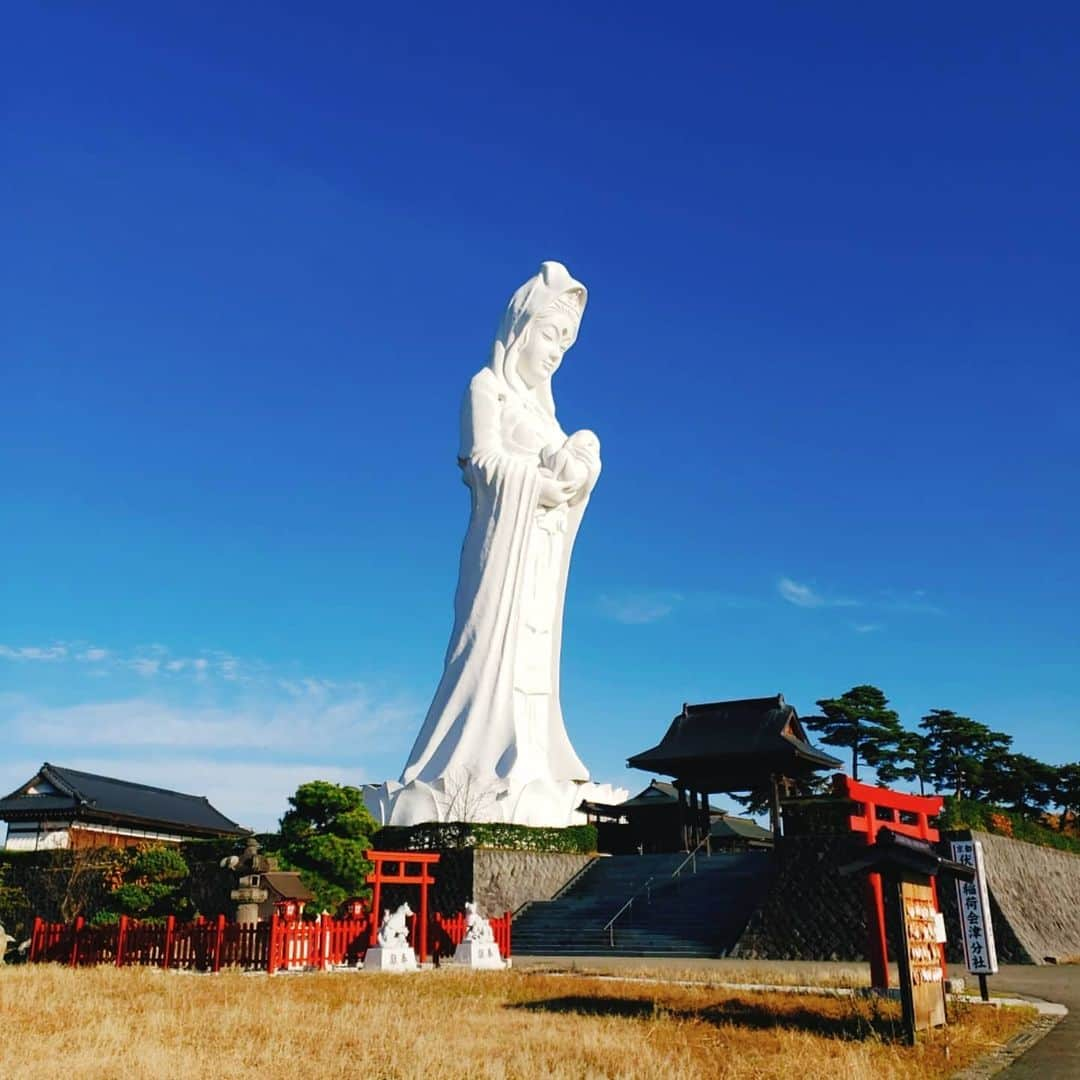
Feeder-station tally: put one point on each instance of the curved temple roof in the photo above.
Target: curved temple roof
(58, 792)
(734, 745)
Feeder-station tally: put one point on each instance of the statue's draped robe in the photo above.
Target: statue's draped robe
(474, 732)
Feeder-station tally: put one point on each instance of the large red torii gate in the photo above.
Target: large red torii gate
(421, 861)
(908, 815)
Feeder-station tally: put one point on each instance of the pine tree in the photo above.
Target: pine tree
(962, 755)
(1067, 793)
(861, 721)
(324, 835)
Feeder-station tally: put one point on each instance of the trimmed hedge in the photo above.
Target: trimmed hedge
(431, 836)
(967, 814)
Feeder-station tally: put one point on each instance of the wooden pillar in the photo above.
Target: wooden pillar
(76, 930)
(682, 814)
(166, 950)
(876, 947)
(121, 934)
(424, 882)
(375, 897)
(774, 806)
(219, 937)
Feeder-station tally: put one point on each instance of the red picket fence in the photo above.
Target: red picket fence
(277, 945)
(202, 946)
(450, 930)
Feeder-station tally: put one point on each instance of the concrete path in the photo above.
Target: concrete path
(1056, 1056)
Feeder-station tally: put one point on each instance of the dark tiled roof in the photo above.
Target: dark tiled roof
(742, 828)
(107, 800)
(658, 793)
(287, 884)
(732, 745)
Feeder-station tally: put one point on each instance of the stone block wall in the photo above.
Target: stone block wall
(1034, 901)
(504, 880)
(810, 911)
(497, 880)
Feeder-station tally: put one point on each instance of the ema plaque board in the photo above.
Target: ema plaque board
(922, 988)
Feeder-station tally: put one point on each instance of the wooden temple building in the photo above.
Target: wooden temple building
(67, 808)
(753, 745)
(653, 822)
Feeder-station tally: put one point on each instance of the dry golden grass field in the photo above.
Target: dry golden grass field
(102, 1023)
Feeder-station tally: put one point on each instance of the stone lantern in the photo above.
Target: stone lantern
(250, 892)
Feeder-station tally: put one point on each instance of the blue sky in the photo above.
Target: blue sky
(253, 254)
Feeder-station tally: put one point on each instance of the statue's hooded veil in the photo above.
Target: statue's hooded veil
(551, 284)
(470, 729)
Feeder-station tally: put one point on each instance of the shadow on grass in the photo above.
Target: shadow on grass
(859, 1020)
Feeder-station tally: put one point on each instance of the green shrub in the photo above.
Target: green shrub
(961, 814)
(575, 839)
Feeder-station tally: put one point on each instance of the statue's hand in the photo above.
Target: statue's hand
(556, 492)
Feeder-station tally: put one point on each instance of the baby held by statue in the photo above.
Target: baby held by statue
(576, 462)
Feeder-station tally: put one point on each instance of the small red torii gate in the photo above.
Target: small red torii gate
(420, 861)
(908, 815)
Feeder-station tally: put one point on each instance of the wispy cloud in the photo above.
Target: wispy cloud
(147, 661)
(867, 628)
(638, 608)
(351, 719)
(34, 652)
(915, 602)
(807, 596)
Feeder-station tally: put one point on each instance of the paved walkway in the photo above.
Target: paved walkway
(1056, 1056)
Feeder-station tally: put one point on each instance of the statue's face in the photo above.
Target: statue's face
(546, 339)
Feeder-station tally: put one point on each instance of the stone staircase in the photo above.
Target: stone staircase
(698, 914)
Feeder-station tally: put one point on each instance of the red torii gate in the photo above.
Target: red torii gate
(908, 815)
(420, 861)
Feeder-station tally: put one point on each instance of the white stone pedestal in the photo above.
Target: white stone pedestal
(479, 954)
(390, 958)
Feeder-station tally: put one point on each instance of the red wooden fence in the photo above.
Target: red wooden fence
(277, 945)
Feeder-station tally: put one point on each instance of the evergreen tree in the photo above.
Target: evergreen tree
(1067, 793)
(861, 721)
(961, 754)
(910, 761)
(324, 835)
(1023, 782)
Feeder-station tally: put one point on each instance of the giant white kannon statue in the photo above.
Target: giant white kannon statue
(493, 746)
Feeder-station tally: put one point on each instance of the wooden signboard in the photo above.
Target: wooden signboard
(922, 989)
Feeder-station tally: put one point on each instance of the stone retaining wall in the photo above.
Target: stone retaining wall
(504, 880)
(1036, 891)
(812, 913)
(497, 880)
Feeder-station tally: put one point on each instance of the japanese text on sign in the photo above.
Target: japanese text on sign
(973, 899)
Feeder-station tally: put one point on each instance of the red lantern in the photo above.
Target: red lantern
(287, 910)
(355, 909)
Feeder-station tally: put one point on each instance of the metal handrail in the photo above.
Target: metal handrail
(692, 857)
(646, 889)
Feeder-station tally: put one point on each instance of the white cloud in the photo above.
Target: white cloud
(252, 793)
(145, 666)
(265, 726)
(806, 596)
(799, 595)
(93, 656)
(34, 652)
(866, 628)
(638, 608)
